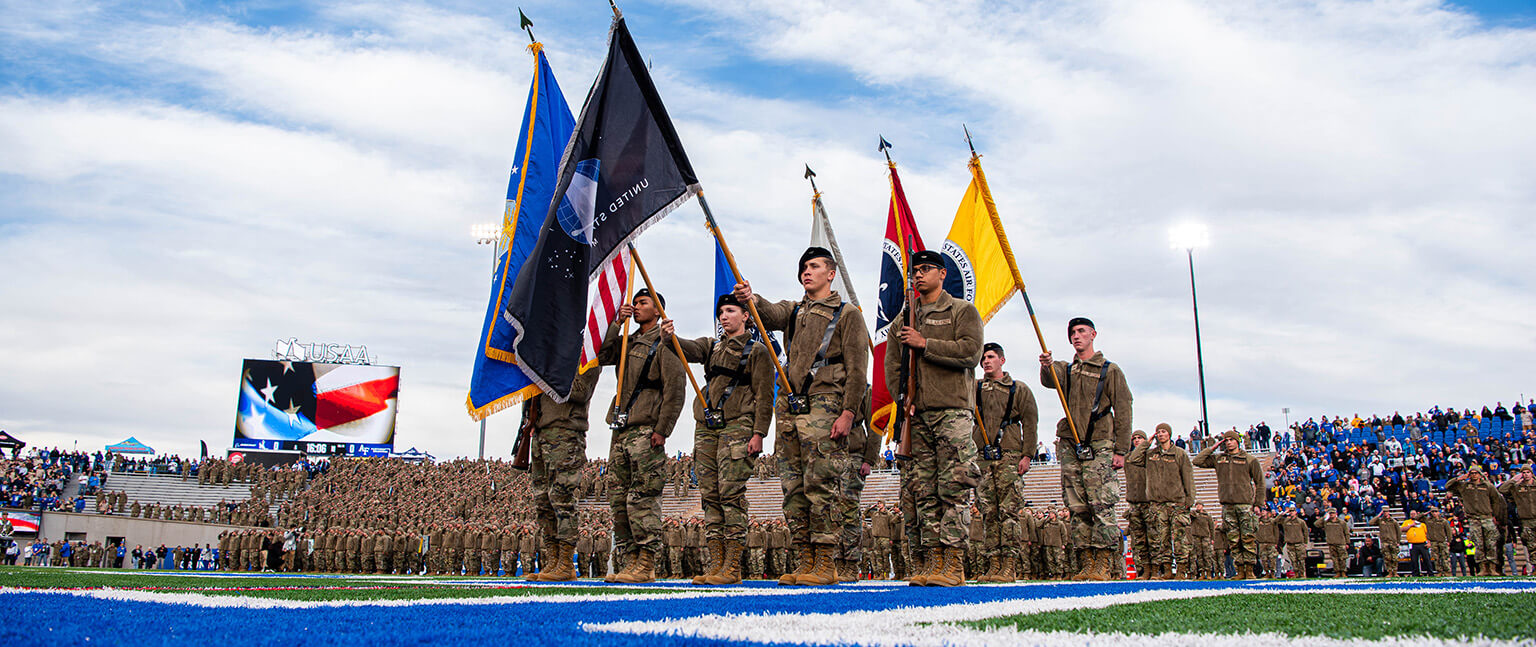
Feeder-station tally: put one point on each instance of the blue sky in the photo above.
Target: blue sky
(188, 182)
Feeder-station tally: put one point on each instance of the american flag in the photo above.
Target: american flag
(612, 285)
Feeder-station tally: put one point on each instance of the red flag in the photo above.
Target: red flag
(611, 286)
(901, 238)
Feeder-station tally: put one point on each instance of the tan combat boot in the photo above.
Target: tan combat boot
(716, 552)
(953, 572)
(927, 567)
(1088, 559)
(730, 564)
(563, 570)
(1009, 570)
(644, 569)
(549, 549)
(801, 568)
(993, 563)
(823, 571)
(1163, 571)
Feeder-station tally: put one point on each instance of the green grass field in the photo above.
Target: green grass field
(292, 588)
(1369, 616)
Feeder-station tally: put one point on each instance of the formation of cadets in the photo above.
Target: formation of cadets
(961, 514)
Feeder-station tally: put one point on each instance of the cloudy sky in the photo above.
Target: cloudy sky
(187, 182)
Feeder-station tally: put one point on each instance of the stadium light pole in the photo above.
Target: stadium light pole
(1188, 236)
(487, 234)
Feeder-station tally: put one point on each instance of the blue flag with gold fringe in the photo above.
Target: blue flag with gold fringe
(547, 123)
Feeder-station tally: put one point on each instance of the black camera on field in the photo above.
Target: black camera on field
(799, 404)
(714, 418)
(991, 452)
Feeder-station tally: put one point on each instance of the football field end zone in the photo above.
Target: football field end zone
(67, 618)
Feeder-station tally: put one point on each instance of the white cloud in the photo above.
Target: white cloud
(1363, 168)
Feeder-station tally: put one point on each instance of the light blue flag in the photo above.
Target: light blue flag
(547, 123)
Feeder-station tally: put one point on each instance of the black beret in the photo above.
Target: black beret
(814, 252)
(727, 299)
(927, 257)
(992, 346)
(1079, 321)
(646, 292)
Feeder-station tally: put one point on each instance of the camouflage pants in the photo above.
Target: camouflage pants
(597, 565)
(558, 456)
(1201, 561)
(675, 561)
(1389, 558)
(1055, 561)
(1269, 556)
(1242, 527)
(1091, 490)
(755, 564)
(380, 562)
(365, 563)
(810, 470)
(1297, 555)
(880, 558)
(638, 471)
(1138, 523)
(1484, 535)
(1167, 527)
(911, 526)
(1338, 557)
(999, 497)
(1442, 557)
(1528, 537)
(944, 473)
(850, 539)
(723, 465)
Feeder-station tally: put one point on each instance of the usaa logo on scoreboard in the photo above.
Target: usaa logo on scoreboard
(320, 353)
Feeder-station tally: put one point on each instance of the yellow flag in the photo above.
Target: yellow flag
(980, 263)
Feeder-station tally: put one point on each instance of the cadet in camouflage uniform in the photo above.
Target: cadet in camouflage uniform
(945, 348)
(1240, 486)
(1294, 532)
(1053, 538)
(827, 348)
(559, 453)
(1336, 535)
(757, 545)
(1170, 491)
(1438, 532)
(1521, 489)
(1100, 403)
(1138, 513)
(1202, 563)
(738, 382)
(1390, 534)
(642, 416)
(1480, 503)
(863, 451)
(1010, 419)
(1268, 536)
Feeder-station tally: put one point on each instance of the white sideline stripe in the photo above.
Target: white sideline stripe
(901, 626)
(241, 602)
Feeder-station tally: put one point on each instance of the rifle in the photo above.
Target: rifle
(522, 450)
(907, 387)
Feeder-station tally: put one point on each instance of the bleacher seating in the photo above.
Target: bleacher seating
(170, 489)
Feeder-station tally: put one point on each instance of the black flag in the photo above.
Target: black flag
(623, 170)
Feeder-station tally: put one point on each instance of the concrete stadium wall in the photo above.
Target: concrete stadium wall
(135, 532)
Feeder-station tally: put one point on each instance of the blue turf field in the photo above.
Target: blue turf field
(40, 618)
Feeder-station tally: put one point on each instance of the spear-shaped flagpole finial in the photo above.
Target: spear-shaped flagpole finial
(968, 139)
(811, 175)
(525, 24)
(885, 147)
